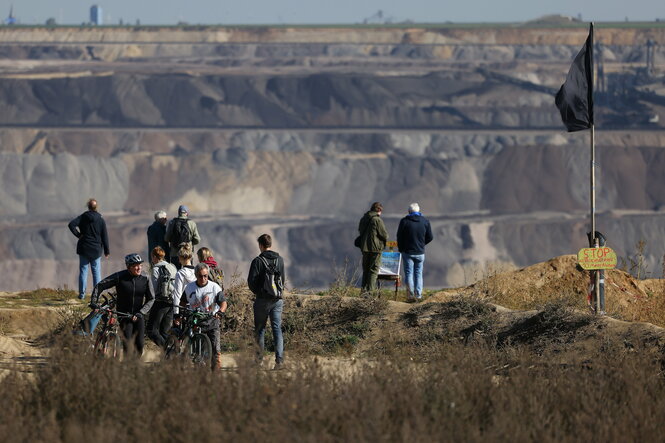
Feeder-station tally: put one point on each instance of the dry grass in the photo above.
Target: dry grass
(461, 392)
(560, 280)
(39, 297)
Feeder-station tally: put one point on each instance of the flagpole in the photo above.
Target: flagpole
(592, 166)
(596, 286)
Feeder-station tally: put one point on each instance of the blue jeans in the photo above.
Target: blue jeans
(264, 309)
(413, 273)
(96, 264)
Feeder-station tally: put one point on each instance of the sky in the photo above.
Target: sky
(327, 11)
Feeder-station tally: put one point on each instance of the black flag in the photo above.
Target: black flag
(575, 98)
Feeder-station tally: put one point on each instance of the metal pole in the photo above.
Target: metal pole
(596, 289)
(593, 183)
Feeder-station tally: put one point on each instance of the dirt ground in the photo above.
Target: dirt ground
(541, 308)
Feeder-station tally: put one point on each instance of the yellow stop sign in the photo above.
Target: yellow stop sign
(597, 258)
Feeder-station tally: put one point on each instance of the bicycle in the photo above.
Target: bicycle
(189, 340)
(108, 342)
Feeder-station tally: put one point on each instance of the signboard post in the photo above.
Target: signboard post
(596, 260)
(391, 265)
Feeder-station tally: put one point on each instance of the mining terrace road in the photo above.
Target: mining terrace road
(324, 129)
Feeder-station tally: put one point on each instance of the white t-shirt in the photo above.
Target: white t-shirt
(204, 298)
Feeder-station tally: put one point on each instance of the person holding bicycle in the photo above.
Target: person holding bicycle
(134, 296)
(207, 296)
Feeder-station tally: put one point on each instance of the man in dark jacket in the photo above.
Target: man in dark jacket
(413, 233)
(268, 302)
(373, 238)
(181, 230)
(90, 229)
(134, 296)
(156, 233)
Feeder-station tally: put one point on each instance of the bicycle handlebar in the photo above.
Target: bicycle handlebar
(194, 311)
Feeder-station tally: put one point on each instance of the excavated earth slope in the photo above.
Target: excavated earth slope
(295, 131)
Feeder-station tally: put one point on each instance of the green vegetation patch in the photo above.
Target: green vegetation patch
(39, 297)
(332, 325)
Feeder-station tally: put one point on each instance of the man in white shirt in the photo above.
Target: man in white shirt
(207, 296)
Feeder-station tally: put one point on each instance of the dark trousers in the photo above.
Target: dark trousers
(160, 321)
(175, 261)
(133, 331)
(371, 263)
(211, 329)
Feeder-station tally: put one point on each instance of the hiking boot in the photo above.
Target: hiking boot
(278, 366)
(217, 361)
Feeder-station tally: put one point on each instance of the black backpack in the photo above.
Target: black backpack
(165, 280)
(180, 232)
(273, 286)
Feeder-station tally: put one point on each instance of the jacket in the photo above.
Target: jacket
(154, 278)
(257, 270)
(90, 229)
(134, 294)
(183, 277)
(413, 233)
(193, 229)
(373, 234)
(156, 234)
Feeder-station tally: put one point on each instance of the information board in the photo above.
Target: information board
(390, 263)
(597, 258)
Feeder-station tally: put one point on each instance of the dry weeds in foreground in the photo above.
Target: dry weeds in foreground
(461, 393)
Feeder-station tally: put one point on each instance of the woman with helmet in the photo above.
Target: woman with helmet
(134, 296)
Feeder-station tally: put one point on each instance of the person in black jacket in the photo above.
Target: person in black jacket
(267, 305)
(156, 232)
(134, 296)
(90, 229)
(413, 233)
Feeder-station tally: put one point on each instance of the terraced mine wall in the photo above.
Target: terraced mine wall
(295, 131)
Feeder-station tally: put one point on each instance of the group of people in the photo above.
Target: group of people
(152, 302)
(173, 280)
(413, 233)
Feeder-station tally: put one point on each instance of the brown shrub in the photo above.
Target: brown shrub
(463, 393)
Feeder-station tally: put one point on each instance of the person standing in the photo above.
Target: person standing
(266, 281)
(373, 238)
(183, 277)
(156, 234)
(413, 233)
(93, 241)
(134, 296)
(181, 230)
(216, 274)
(162, 275)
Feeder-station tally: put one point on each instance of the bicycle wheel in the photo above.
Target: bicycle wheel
(109, 345)
(173, 347)
(199, 349)
(114, 346)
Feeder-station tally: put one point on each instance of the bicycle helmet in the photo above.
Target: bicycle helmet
(132, 259)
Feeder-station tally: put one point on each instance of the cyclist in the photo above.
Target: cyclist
(134, 296)
(207, 296)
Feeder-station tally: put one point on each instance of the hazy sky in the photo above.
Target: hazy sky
(328, 11)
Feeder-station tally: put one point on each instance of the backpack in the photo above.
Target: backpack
(180, 232)
(165, 280)
(273, 286)
(216, 275)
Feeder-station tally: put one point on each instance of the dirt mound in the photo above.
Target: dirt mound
(560, 279)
